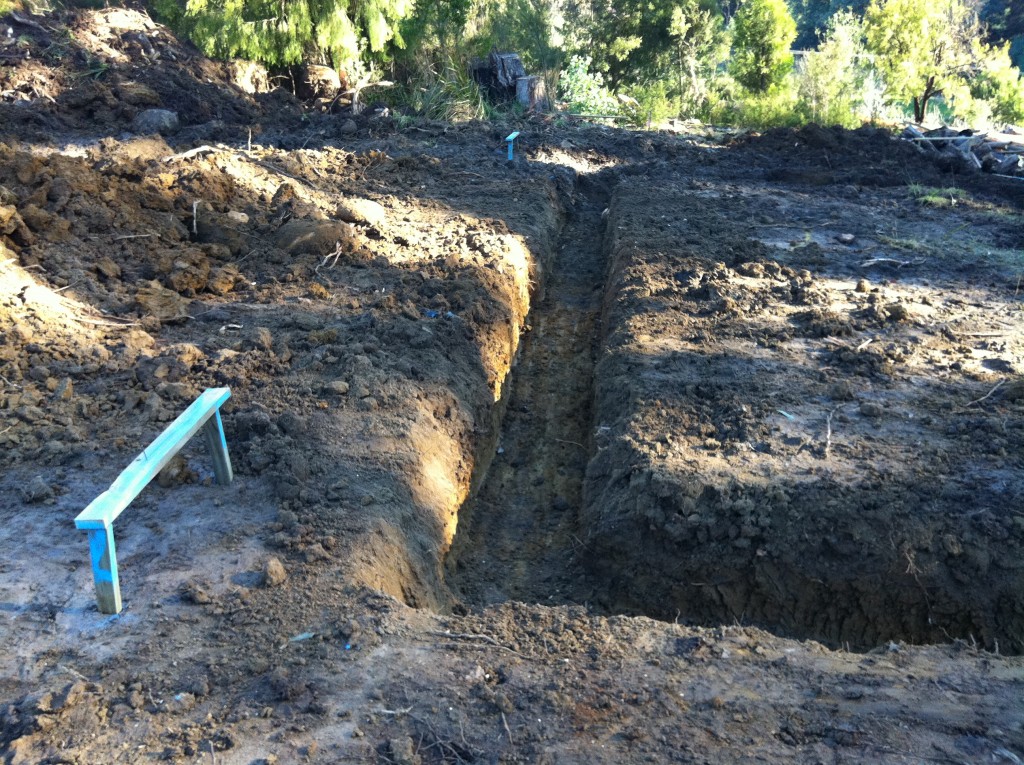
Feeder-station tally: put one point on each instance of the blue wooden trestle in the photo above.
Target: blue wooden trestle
(98, 518)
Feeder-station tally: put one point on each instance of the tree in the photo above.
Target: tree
(285, 32)
(833, 77)
(763, 32)
(813, 18)
(999, 83)
(628, 40)
(922, 47)
(698, 32)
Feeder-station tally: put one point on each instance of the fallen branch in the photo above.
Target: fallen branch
(828, 432)
(278, 170)
(504, 721)
(574, 443)
(979, 400)
(892, 261)
(191, 153)
(104, 323)
(29, 23)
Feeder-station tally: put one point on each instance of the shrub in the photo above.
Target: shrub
(585, 91)
(651, 104)
(779, 107)
(444, 90)
(763, 33)
(833, 79)
(1000, 84)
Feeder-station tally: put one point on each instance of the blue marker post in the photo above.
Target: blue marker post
(511, 143)
(98, 518)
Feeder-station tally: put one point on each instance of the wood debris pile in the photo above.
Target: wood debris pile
(997, 153)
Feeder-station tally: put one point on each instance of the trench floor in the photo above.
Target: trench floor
(518, 536)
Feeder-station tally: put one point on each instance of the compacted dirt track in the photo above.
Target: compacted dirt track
(642, 448)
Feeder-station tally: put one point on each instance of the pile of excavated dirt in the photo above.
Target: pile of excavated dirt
(636, 449)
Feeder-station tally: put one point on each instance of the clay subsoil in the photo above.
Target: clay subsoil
(643, 447)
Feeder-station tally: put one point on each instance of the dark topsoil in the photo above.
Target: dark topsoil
(801, 456)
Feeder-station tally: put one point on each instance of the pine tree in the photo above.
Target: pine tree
(285, 32)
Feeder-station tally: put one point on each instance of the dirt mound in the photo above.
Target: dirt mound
(104, 71)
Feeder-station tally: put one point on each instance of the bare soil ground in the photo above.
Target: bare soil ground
(642, 448)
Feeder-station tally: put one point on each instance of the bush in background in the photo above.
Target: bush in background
(833, 79)
(584, 90)
(763, 32)
(1000, 84)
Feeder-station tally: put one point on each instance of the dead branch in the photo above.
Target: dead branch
(828, 431)
(504, 721)
(191, 153)
(29, 23)
(891, 261)
(979, 400)
(573, 443)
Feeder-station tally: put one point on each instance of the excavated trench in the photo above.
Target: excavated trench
(559, 514)
(518, 534)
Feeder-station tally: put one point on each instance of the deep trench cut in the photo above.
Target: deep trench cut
(562, 507)
(518, 534)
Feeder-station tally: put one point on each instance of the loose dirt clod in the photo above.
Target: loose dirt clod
(274, 573)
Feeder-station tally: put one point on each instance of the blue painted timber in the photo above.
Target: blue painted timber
(98, 518)
(511, 141)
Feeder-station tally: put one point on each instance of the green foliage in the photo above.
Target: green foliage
(650, 104)
(762, 35)
(1005, 20)
(630, 41)
(475, 28)
(922, 47)
(813, 17)
(446, 92)
(833, 79)
(285, 32)
(999, 83)
(523, 26)
(936, 197)
(778, 107)
(584, 90)
(436, 25)
(698, 32)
